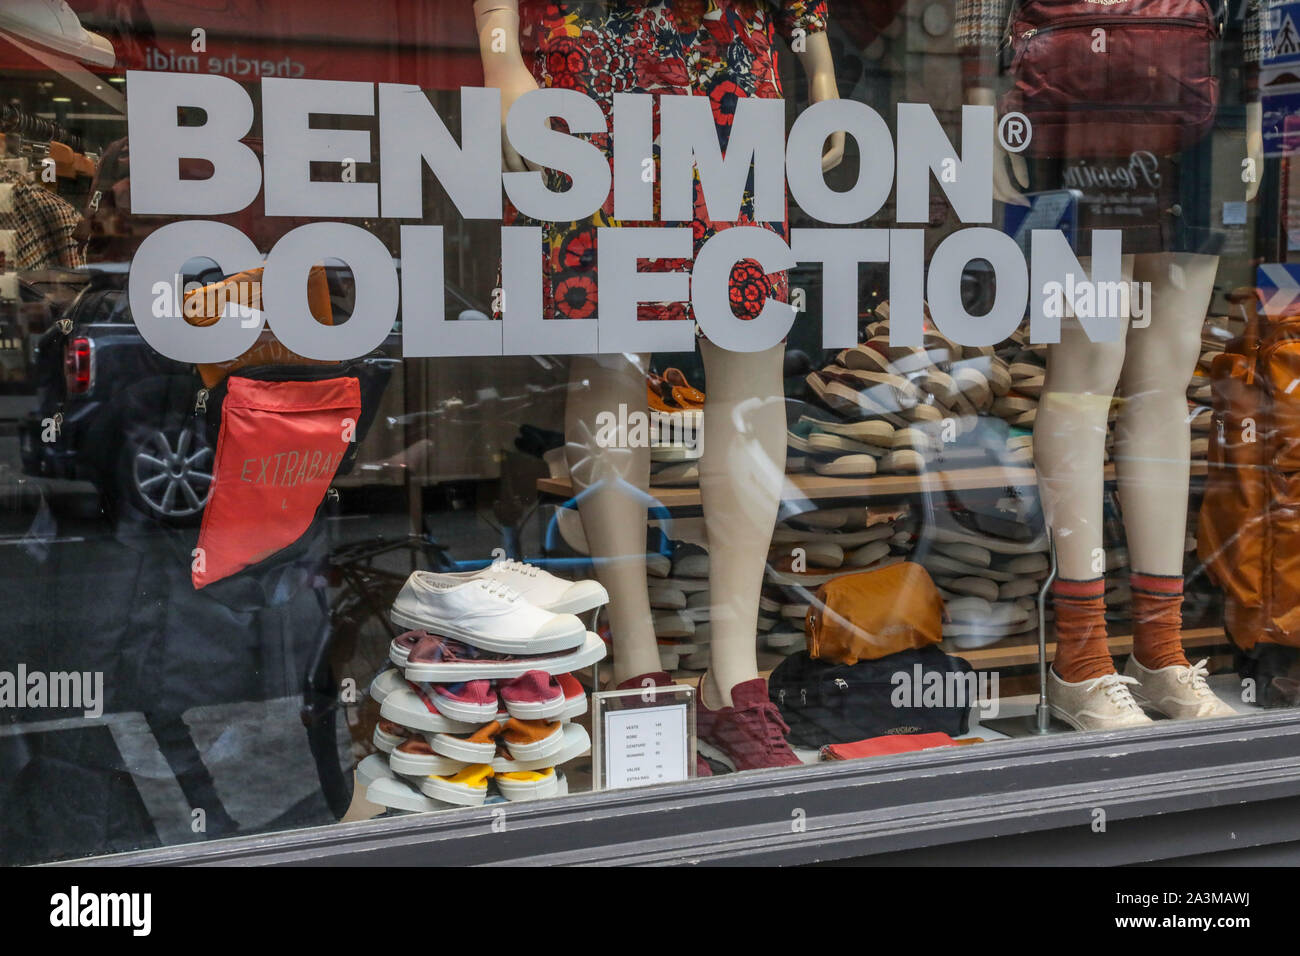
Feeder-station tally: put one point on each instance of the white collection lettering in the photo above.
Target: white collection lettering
(907, 162)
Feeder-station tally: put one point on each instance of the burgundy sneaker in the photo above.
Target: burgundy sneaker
(402, 645)
(662, 679)
(749, 734)
(575, 696)
(471, 701)
(535, 695)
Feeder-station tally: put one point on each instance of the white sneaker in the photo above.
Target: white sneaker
(1177, 691)
(53, 24)
(1101, 703)
(539, 587)
(484, 613)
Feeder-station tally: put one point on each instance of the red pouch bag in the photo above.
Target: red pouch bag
(278, 448)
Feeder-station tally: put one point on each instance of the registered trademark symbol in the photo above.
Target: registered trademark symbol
(1014, 132)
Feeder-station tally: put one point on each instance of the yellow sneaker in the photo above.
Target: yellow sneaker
(467, 787)
(528, 784)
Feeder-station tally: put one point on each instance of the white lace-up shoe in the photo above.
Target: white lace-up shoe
(1101, 703)
(484, 613)
(1177, 691)
(540, 587)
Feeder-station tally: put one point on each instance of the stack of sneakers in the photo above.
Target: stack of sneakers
(479, 705)
(815, 547)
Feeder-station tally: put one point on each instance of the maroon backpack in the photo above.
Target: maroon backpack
(1102, 78)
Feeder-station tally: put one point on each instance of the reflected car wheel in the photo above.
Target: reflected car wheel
(169, 472)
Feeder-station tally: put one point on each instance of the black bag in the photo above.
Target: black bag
(828, 703)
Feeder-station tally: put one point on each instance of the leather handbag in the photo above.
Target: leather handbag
(871, 614)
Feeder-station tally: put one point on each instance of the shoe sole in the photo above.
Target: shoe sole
(423, 765)
(1065, 718)
(384, 683)
(577, 743)
(486, 642)
(577, 606)
(458, 794)
(592, 651)
(715, 754)
(1147, 704)
(400, 795)
(518, 791)
(370, 769)
(409, 711)
(385, 743)
(466, 713)
(462, 750)
(537, 710)
(544, 749)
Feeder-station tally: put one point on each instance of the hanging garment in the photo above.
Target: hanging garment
(43, 224)
(723, 49)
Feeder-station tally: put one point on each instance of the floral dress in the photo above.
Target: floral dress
(723, 49)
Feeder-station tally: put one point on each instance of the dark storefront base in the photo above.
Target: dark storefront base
(1193, 792)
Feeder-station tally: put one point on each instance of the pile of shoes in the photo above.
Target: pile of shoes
(989, 573)
(1026, 363)
(880, 408)
(479, 705)
(680, 600)
(677, 418)
(814, 547)
(1215, 335)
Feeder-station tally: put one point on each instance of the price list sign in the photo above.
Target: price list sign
(644, 737)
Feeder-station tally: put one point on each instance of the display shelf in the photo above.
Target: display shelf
(822, 487)
(1018, 651)
(817, 487)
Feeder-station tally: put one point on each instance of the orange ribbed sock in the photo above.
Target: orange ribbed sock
(1158, 620)
(1081, 649)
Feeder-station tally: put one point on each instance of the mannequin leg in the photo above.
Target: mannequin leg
(1069, 453)
(1152, 435)
(1152, 447)
(613, 521)
(741, 471)
(1070, 442)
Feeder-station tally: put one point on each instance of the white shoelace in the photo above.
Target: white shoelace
(518, 567)
(1194, 676)
(1115, 687)
(498, 589)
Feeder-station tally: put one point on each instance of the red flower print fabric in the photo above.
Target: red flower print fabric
(722, 49)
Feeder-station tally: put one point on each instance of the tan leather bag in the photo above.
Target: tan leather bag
(871, 614)
(204, 307)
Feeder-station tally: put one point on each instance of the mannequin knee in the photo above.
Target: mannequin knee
(1091, 369)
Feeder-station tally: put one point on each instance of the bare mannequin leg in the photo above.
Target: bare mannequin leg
(613, 520)
(741, 472)
(1070, 443)
(1152, 435)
